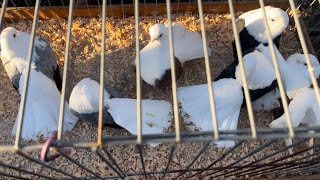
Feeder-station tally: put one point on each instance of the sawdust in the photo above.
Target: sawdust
(120, 50)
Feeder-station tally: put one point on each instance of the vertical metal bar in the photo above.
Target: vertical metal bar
(145, 8)
(305, 51)
(208, 72)
(170, 159)
(80, 165)
(173, 75)
(111, 8)
(142, 160)
(108, 163)
(217, 160)
(45, 165)
(278, 75)
(243, 72)
(26, 83)
(3, 11)
(65, 71)
(102, 64)
(194, 159)
(122, 8)
(17, 10)
(178, 7)
(88, 8)
(138, 78)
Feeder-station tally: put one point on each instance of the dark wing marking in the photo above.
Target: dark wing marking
(228, 72)
(47, 63)
(256, 94)
(165, 80)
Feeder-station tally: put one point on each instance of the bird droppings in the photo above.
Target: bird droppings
(119, 74)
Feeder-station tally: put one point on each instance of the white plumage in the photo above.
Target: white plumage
(195, 106)
(267, 102)
(84, 97)
(277, 19)
(303, 107)
(42, 106)
(154, 60)
(259, 71)
(156, 114)
(15, 45)
(187, 44)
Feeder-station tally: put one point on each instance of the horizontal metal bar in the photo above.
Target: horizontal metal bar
(240, 134)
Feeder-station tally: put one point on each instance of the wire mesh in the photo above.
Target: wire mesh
(275, 162)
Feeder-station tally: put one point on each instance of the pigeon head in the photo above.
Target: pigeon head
(157, 31)
(14, 43)
(278, 21)
(298, 61)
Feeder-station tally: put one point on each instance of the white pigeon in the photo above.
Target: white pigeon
(290, 78)
(303, 107)
(156, 114)
(187, 44)
(155, 60)
(84, 101)
(228, 95)
(15, 44)
(122, 112)
(252, 30)
(42, 105)
(195, 106)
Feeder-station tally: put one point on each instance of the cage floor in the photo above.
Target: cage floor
(85, 62)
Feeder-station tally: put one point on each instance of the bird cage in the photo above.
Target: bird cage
(99, 40)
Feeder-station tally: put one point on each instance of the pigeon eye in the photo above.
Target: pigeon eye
(305, 64)
(160, 35)
(272, 19)
(14, 35)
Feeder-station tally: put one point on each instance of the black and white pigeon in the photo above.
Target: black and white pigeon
(119, 112)
(252, 32)
(15, 44)
(155, 56)
(228, 95)
(42, 106)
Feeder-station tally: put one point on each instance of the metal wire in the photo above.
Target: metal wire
(254, 168)
(242, 71)
(65, 71)
(278, 74)
(26, 83)
(305, 51)
(173, 75)
(102, 64)
(208, 72)
(3, 11)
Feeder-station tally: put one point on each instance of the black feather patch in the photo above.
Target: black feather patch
(57, 78)
(165, 80)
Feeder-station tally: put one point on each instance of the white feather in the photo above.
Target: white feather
(303, 109)
(291, 79)
(195, 106)
(42, 108)
(267, 102)
(259, 72)
(156, 115)
(187, 44)
(154, 60)
(278, 21)
(84, 97)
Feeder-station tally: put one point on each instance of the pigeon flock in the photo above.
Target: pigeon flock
(43, 95)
